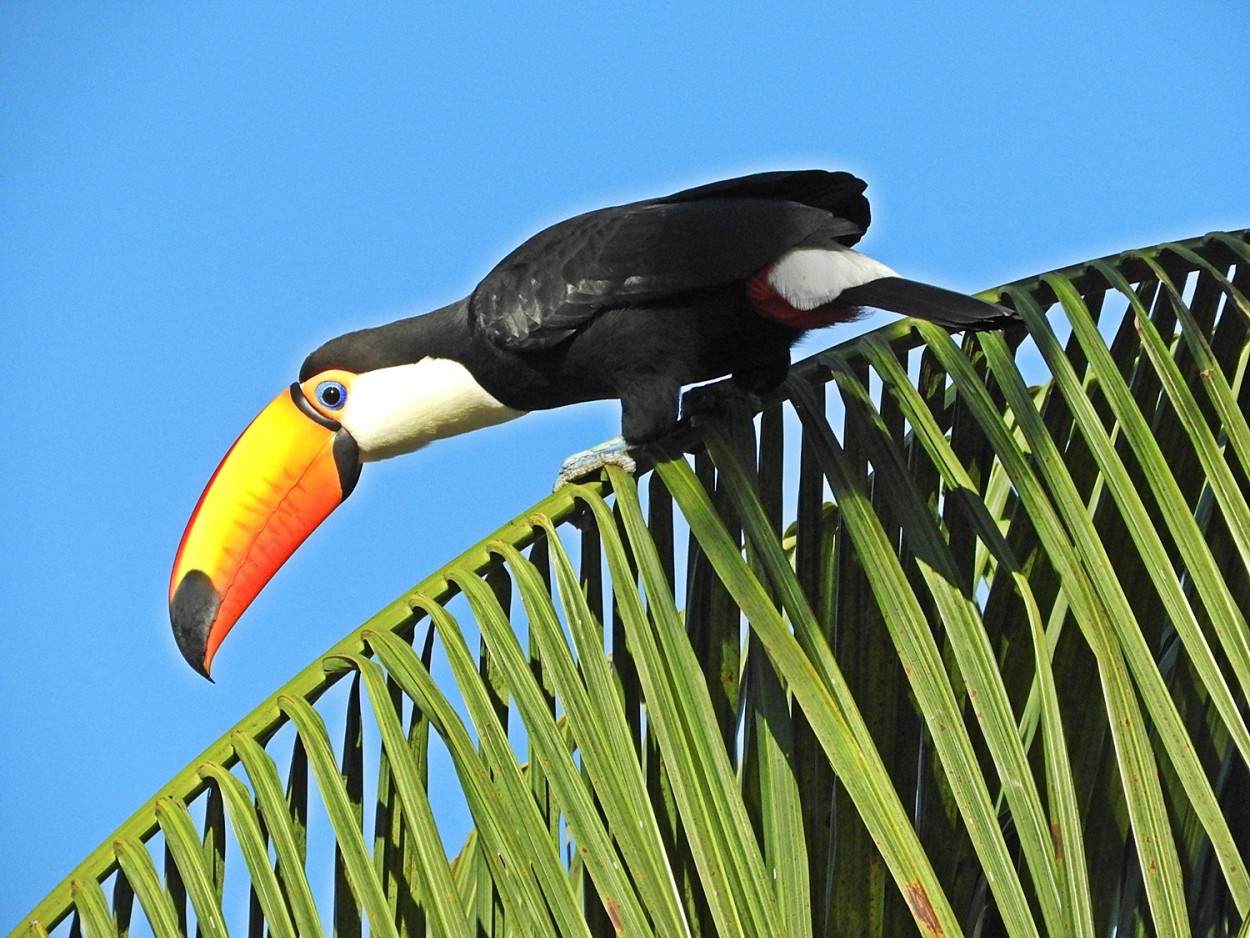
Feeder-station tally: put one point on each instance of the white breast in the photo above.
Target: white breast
(397, 410)
(810, 277)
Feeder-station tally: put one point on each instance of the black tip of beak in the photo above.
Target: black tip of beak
(192, 611)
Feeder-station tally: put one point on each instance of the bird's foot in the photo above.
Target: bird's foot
(613, 452)
(722, 399)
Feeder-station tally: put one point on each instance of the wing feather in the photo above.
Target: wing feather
(701, 238)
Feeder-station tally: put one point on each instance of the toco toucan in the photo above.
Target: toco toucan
(633, 302)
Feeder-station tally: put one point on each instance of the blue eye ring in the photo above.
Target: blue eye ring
(331, 395)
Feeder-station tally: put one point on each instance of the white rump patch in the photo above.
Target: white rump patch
(397, 410)
(810, 277)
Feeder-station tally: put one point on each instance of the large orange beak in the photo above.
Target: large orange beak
(291, 467)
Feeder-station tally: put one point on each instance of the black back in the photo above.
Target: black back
(644, 252)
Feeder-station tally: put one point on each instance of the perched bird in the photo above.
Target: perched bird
(633, 302)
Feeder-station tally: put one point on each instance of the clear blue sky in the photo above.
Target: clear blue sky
(193, 196)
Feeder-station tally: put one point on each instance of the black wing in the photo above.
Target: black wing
(839, 194)
(700, 238)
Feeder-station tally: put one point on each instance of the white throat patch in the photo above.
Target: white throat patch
(810, 277)
(399, 409)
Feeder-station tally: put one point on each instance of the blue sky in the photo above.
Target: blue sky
(192, 197)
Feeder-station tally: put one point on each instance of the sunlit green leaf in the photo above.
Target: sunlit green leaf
(954, 639)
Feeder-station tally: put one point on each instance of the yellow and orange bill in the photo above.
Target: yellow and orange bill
(289, 469)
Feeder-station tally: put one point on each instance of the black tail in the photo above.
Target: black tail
(955, 311)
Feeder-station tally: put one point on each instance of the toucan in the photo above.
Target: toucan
(634, 302)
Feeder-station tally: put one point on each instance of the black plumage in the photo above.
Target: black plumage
(633, 302)
(639, 300)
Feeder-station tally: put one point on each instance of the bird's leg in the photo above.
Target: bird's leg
(648, 417)
(651, 431)
(613, 452)
(733, 404)
(724, 398)
(738, 398)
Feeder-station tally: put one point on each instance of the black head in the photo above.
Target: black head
(439, 334)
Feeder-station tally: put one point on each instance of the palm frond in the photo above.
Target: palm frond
(951, 638)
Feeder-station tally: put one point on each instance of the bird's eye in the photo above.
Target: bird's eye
(331, 395)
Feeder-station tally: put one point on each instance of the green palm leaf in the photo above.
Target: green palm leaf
(953, 638)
